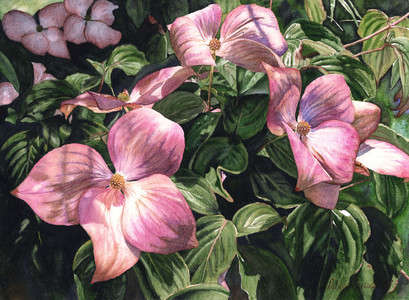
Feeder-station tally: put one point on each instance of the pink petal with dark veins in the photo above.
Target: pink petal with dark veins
(74, 27)
(100, 214)
(102, 11)
(53, 15)
(57, 181)
(101, 35)
(156, 216)
(156, 146)
(367, 117)
(323, 194)
(36, 42)
(16, 24)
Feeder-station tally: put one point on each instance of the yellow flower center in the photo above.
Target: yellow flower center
(215, 44)
(124, 97)
(117, 181)
(303, 128)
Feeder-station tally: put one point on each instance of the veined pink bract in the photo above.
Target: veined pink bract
(323, 141)
(248, 36)
(81, 27)
(136, 209)
(147, 91)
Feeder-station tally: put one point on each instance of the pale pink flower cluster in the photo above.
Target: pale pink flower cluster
(62, 22)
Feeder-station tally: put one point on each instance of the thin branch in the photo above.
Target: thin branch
(371, 50)
(354, 184)
(271, 141)
(377, 32)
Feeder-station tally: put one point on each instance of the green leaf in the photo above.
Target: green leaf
(250, 83)
(228, 5)
(264, 275)
(401, 48)
(216, 250)
(201, 130)
(214, 178)
(171, 10)
(349, 7)
(228, 71)
(272, 184)
(401, 222)
(386, 134)
(197, 192)
(226, 153)
(22, 150)
(138, 10)
(8, 70)
(44, 98)
(325, 244)
(127, 58)
(82, 82)
(255, 217)
(314, 32)
(281, 154)
(201, 292)
(84, 267)
(180, 107)
(315, 10)
(392, 194)
(361, 285)
(379, 61)
(292, 58)
(358, 76)
(28, 6)
(157, 48)
(384, 250)
(245, 117)
(166, 274)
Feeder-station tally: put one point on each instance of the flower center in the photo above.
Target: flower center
(117, 181)
(87, 18)
(123, 96)
(303, 128)
(215, 44)
(39, 28)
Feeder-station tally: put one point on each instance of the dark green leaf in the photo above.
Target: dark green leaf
(8, 70)
(83, 82)
(402, 226)
(384, 250)
(84, 267)
(228, 5)
(246, 116)
(358, 76)
(264, 275)
(156, 49)
(214, 178)
(201, 292)
(165, 273)
(254, 218)
(171, 10)
(180, 107)
(197, 192)
(138, 10)
(281, 155)
(44, 98)
(272, 184)
(216, 250)
(250, 83)
(401, 48)
(201, 130)
(325, 244)
(227, 154)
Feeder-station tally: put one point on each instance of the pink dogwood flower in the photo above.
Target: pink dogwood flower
(146, 92)
(137, 208)
(248, 36)
(376, 155)
(42, 38)
(323, 141)
(81, 27)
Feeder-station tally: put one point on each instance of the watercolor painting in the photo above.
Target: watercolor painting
(204, 149)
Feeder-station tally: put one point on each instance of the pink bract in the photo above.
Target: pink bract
(42, 38)
(95, 28)
(248, 36)
(138, 208)
(146, 92)
(323, 141)
(7, 93)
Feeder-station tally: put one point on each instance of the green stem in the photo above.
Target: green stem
(354, 184)
(210, 82)
(272, 141)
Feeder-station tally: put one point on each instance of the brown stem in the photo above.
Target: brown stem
(209, 95)
(377, 32)
(271, 4)
(272, 141)
(102, 83)
(404, 275)
(371, 50)
(354, 184)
